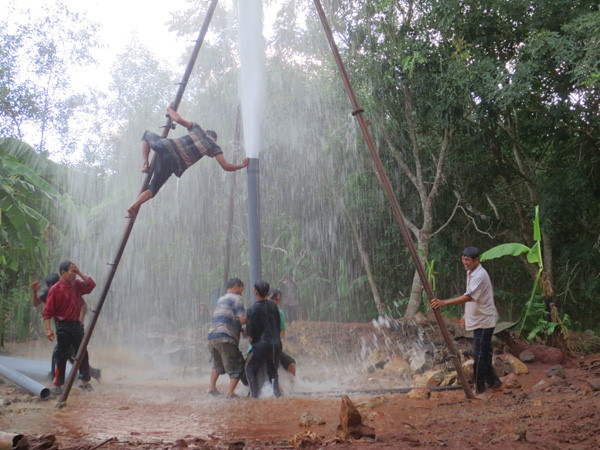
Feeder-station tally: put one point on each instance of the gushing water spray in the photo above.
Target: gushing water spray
(252, 93)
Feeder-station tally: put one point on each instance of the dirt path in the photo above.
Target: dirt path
(142, 408)
(163, 414)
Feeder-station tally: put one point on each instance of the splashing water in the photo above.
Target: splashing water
(252, 79)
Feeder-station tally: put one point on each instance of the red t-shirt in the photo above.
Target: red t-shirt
(64, 300)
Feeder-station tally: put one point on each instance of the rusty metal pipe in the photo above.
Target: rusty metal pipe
(357, 111)
(88, 333)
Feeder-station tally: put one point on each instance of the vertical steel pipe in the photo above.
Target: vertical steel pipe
(254, 224)
(387, 187)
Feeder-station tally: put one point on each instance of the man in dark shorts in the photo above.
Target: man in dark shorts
(224, 338)
(174, 156)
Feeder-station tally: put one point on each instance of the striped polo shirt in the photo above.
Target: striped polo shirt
(225, 325)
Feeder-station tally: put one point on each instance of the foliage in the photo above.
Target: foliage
(37, 59)
(27, 199)
(535, 310)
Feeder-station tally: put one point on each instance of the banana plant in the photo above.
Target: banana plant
(534, 256)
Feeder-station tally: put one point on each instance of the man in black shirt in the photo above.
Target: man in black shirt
(263, 326)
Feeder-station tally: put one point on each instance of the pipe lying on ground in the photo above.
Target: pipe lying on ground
(25, 382)
(33, 368)
(338, 393)
(29, 367)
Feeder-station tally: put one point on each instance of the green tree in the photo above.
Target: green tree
(37, 60)
(27, 204)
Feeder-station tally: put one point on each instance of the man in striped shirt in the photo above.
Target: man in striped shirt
(224, 338)
(174, 156)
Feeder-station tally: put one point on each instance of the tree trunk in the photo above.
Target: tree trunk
(364, 256)
(416, 291)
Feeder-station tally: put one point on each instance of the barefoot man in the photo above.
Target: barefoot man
(174, 156)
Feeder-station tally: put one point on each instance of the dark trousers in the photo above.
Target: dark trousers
(69, 334)
(263, 353)
(482, 355)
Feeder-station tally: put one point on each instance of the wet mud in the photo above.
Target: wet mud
(131, 409)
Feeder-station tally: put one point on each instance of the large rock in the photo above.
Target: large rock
(515, 364)
(305, 439)
(510, 382)
(351, 426)
(417, 360)
(541, 353)
(436, 378)
(377, 360)
(308, 420)
(595, 384)
(500, 367)
(526, 356)
(505, 364)
(419, 393)
(467, 367)
(450, 379)
(556, 371)
(397, 366)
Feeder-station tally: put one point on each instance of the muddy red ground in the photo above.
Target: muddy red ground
(123, 412)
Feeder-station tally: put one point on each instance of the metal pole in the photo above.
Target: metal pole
(254, 224)
(387, 187)
(88, 334)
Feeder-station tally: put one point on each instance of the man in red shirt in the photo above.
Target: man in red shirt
(64, 303)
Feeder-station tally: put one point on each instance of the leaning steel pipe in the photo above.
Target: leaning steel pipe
(88, 333)
(25, 382)
(387, 187)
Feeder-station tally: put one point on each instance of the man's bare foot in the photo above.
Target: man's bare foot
(133, 210)
(144, 168)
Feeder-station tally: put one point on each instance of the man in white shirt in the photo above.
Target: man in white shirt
(480, 317)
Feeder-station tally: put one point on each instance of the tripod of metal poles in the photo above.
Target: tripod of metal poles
(363, 124)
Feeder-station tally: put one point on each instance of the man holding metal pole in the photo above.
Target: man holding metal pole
(174, 156)
(480, 317)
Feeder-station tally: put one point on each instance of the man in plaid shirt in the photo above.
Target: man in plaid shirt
(174, 156)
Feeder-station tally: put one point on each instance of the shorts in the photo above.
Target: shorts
(165, 163)
(227, 358)
(286, 360)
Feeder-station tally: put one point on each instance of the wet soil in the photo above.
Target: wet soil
(130, 409)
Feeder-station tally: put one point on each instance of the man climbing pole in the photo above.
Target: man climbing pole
(174, 156)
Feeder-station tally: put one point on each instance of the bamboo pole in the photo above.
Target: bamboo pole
(88, 334)
(357, 112)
